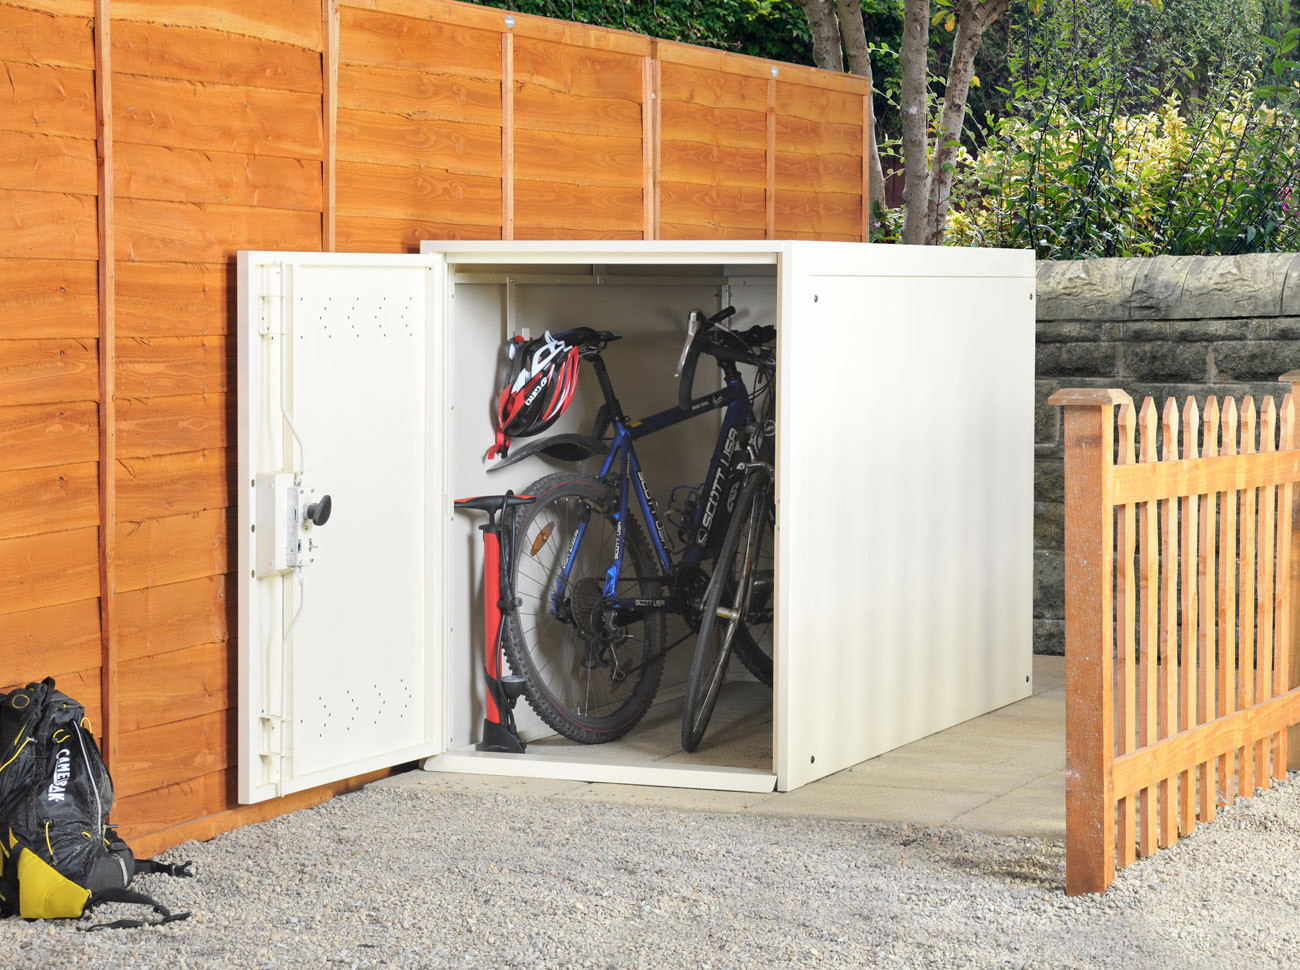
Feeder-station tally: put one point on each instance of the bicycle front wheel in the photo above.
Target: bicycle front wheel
(753, 644)
(591, 670)
(726, 602)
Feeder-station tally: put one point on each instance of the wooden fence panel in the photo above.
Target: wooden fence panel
(1126, 637)
(419, 131)
(1207, 559)
(135, 164)
(582, 170)
(1209, 527)
(1227, 655)
(212, 155)
(1149, 635)
(713, 151)
(1246, 630)
(818, 162)
(65, 637)
(49, 504)
(1168, 790)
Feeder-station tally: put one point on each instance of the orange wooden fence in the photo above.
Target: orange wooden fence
(144, 142)
(1180, 591)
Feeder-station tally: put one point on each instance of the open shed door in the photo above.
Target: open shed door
(335, 676)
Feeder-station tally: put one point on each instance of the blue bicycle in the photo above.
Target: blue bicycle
(588, 630)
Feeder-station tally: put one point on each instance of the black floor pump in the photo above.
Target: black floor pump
(499, 733)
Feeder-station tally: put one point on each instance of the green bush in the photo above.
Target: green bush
(1139, 129)
(1073, 183)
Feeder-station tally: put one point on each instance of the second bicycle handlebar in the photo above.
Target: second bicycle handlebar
(702, 342)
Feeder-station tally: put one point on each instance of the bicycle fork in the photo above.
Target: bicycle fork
(757, 510)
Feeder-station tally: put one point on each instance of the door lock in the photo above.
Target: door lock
(319, 512)
(285, 513)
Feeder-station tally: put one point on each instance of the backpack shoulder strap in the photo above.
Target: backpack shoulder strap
(116, 895)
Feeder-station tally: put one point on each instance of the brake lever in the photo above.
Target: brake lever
(692, 326)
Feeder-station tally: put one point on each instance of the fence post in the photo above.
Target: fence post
(1292, 381)
(1089, 638)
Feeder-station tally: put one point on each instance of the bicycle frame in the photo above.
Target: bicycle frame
(739, 411)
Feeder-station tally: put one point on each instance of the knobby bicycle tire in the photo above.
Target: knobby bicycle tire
(572, 680)
(753, 646)
(729, 589)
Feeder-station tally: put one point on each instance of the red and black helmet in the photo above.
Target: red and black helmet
(540, 384)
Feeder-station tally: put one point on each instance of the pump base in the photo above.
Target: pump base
(497, 737)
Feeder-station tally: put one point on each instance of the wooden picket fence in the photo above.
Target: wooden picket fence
(1180, 588)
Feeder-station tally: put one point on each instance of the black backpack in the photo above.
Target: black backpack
(58, 856)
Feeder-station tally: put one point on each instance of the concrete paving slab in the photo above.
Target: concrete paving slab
(871, 804)
(997, 725)
(1044, 752)
(1000, 773)
(908, 770)
(1047, 706)
(1036, 808)
(1049, 673)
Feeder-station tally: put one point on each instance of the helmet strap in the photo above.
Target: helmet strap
(501, 447)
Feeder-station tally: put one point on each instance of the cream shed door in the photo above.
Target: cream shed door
(335, 612)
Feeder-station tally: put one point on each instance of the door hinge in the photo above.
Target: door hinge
(270, 316)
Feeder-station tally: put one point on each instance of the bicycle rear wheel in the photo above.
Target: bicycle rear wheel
(590, 674)
(725, 603)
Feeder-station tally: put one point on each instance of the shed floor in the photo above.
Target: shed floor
(1002, 773)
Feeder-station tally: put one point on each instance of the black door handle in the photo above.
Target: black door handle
(319, 512)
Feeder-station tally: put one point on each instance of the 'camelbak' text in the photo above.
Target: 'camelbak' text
(62, 772)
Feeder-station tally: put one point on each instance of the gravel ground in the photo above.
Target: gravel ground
(408, 876)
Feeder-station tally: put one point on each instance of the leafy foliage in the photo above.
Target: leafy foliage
(1077, 181)
(1138, 131)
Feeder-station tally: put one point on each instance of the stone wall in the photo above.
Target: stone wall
(1164, 327)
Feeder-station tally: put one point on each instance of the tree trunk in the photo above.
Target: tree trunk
(912, 99)
(974, 20)
(854, 35)
(825, 33)
(859, 62)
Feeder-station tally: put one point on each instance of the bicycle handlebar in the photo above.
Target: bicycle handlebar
(698, 342)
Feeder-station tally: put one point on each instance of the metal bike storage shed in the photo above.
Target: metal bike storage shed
(904, 474)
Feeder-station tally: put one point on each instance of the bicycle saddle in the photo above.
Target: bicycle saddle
(587, 337)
